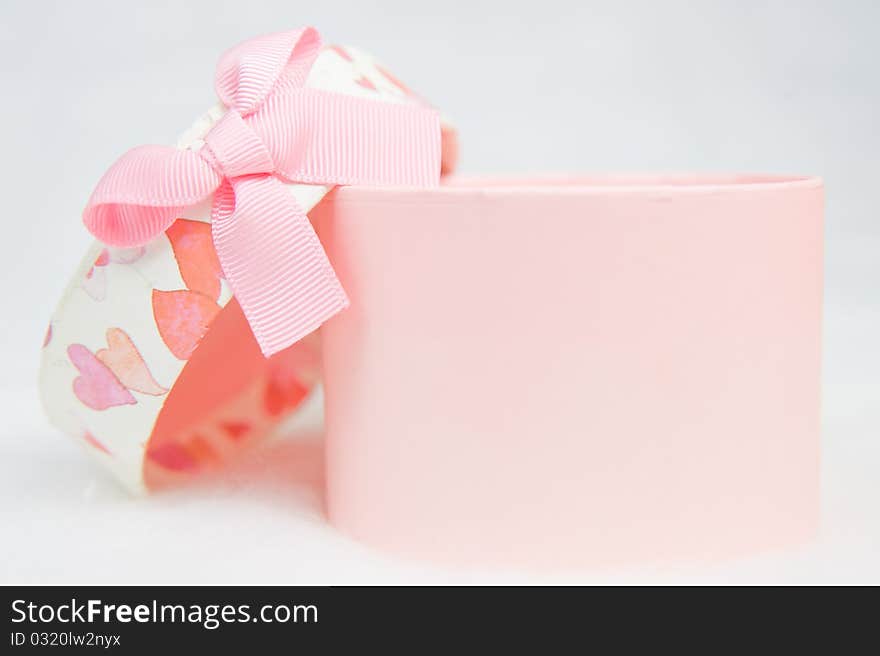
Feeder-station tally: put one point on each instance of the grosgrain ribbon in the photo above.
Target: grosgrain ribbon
(275, 130)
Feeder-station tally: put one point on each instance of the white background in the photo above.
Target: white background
(723, 85)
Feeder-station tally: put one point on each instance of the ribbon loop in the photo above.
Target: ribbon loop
(274, 130)
(248, 73)
(143, 193)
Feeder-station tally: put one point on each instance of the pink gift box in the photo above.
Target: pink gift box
(576, 371)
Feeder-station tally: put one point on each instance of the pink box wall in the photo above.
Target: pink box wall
(576, 372)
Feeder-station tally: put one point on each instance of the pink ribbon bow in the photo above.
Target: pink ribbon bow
(275, 131)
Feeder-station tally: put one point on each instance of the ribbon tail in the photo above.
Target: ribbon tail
(274, 262)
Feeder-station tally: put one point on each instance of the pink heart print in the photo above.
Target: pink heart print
(127, 364)
(96, 386)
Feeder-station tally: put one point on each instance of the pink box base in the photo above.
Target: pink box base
(576, 372)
